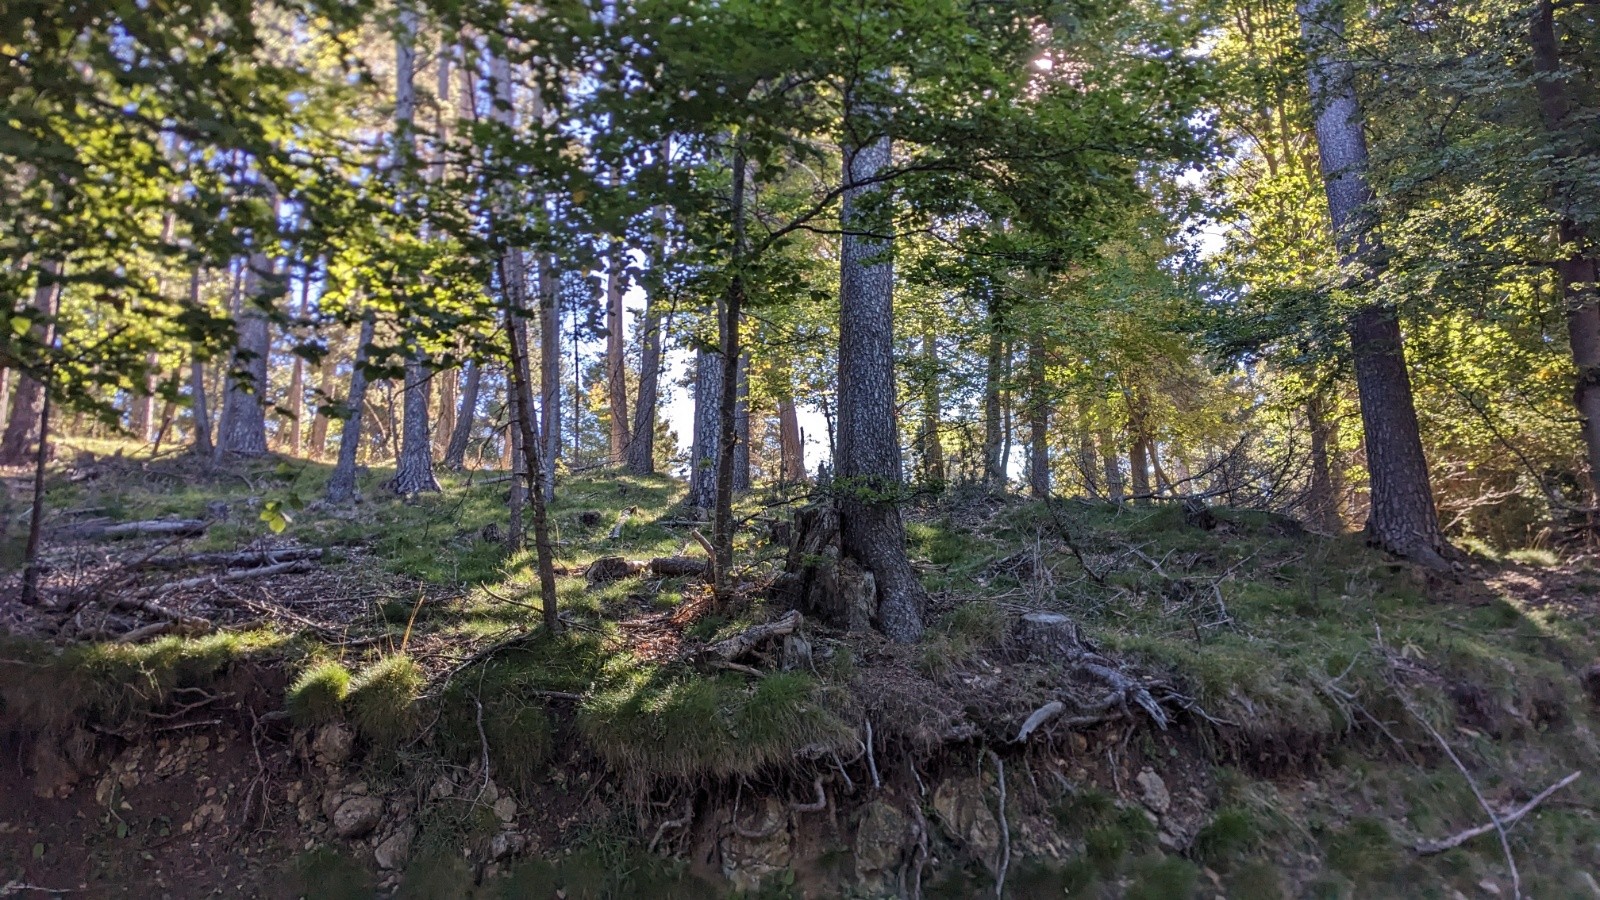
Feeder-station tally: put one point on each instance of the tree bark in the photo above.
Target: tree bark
(1404, 519)
(703, 453)
(741, 426)
(868, 462)
(455, 456)
(994, 472)
(642, 437)
(1577, 272)
(1087, 461)
(1038, 422)
(616, 361)
(297, 375)
(1111, 464)
(243, 430)
(449, 400)
(1323, 497)
(549, 373)
(729, 313)
(197, 399)
(1139, 446)
(17, 446)
(932, 437)
(791, 446)
(532, 472)
(319, 422)
(342, 483)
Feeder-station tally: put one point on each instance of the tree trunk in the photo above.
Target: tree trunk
(1111, 463)
(1087, 461)
(1139, 446)
(642, 437)
(549, 373)
(455, 456)
(729, 313)
(932, 437)
(319, 422)
(791, 446)
(1323, 499)
(449, 399)
(243, 430)
(1038, 422)
(703, 453)
(342, 483)
(521, 391)
(1577, 273)
(297, 375)
(994, 472)
(868, 462)
(616, 362)
(23, 426)
(414, 468)
(741, 424)
(142, 417)
(1403, 520)
(197, 399)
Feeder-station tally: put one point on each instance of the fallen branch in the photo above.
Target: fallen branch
(608, 569)
(181, 620)
(149, 528)
(284, 568)
(1428, 848)
(1040, 717)
(752, 637)
(622, 519)
(240, 560)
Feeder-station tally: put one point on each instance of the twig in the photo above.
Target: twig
(1005, 827)
(672, 824)
(1428, 848)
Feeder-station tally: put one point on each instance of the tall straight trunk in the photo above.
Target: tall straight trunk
(5, 394)
(23, 427)
(197, 399)
(243, 430)
(549, 373)
(413, 472)
(871, 531)
(455, 456)
(791, 446)
(616, 361)
(1087, 463)
(521, 391)
(1322, 499)
(1111, 463)
(642, 437)
(449, 397)
(741, 420)
(342, 483)
(703, 453)
(142, 418)
(1038, 422)
(932, 433)
(297, 375)
(1404, 519)
(994, 473)
(1139, 446)
(319, 422)
(729, 314)
(1577, 271)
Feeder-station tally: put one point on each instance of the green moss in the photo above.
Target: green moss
(316, 696)
(383, 697)
(652, 722)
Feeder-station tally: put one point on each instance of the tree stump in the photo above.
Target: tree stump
(1048, 637)
(817, 582)
(608, 569)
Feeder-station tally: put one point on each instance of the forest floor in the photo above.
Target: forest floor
(384, 714)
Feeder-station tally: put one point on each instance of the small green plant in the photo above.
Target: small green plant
(316, 696)
(1539, 559)
(382, 698)
(1230, 833)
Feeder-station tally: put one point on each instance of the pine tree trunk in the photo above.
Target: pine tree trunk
(791, 446)
(871, 532)
(741, 421)
(455, 456)
(932, 437)
(521, 396)
(342, 483)
(1139, 446)
(1087, 461)
(243, 430)
(1403, 520)
(642, 438)
(1323, 500)
(449, 400)
(616, 361)
(1577, 273)
(549, 373)
(17, 445)
(414, 467)
(729, 314)
(319, 422)
(197, 399)
(703, 453)
(142, 418)
(1111, 464)
(994, 473)
(1038, 422)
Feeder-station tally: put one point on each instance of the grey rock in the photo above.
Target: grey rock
(357, 816)
(1155, 796)
(882, 835)
(393, 851)
(962, 807)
